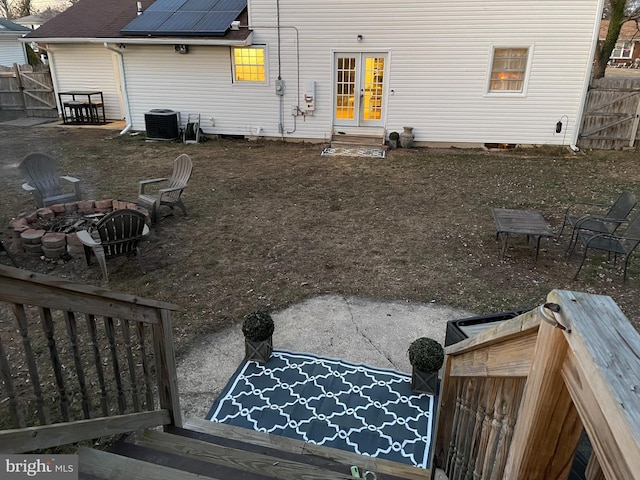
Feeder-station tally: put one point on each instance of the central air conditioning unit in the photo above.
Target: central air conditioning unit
(162, 124)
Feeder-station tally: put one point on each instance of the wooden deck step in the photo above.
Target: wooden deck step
(208, 450)
(358, 136)
(309, 452)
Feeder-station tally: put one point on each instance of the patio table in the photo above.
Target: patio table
(524, 222)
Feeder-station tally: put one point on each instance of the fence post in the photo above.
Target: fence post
(16, 72)
(548, 428)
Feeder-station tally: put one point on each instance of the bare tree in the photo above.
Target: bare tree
(618, 12)
(5, 9)
(23, 8)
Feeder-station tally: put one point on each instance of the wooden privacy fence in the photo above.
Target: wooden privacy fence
(78, 362)
(23, 87)
(516, 399)
(612, 114)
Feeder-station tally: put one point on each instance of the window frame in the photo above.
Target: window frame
(526, 74)
(234, 79)
(621, 47)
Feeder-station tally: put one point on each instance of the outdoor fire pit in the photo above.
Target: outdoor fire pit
(51, 231)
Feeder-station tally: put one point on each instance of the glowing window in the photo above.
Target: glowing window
(248, 64)
(508, 70)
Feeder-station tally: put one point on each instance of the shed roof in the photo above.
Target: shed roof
(103, 19)
(7, 26)
(630, 30)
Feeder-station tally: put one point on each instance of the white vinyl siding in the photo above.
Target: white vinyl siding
(89, 67)
(11, 51)
(439, 60)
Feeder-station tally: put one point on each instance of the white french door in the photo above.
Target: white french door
(359, 89)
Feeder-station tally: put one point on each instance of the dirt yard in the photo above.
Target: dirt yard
(272, 223)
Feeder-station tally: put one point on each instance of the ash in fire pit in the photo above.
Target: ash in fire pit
(52, 231)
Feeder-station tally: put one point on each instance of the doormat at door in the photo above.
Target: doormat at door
(361, 409)
(366, 152)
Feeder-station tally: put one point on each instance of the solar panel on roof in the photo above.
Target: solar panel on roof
(147, 22)
(186, 18)
(180, 21)
(170, 5)
(218, 21)
(199, 5)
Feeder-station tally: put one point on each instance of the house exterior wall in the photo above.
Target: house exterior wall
(439, 56)
(436, 73)
(87, 67)
(12, 51)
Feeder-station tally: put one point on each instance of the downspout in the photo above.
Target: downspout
(587, 78)
(123, 83)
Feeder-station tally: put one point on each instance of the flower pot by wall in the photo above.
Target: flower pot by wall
(394, 137)
(407, 137)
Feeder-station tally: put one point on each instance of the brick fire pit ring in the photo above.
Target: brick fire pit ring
(51, 231)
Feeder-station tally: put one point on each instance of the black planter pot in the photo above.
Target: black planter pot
(258, 351)
(424, 382)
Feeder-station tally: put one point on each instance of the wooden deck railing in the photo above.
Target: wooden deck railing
(516, 399)
(79, 362)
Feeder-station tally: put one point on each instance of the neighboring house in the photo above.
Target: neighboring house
(627, 50)
(469, 72)
(37, 19)
(11, 49)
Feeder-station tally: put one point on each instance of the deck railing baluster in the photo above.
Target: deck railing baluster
(16, 413)
(21, 317)
(47, 326)
(145, 366)
(72, 330)
(97, 358)
(111, 338)
(132, 366)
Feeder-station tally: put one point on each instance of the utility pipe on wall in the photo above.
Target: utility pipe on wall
(123, 87)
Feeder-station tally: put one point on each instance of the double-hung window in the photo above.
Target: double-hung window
(249, 64)
(508, 70)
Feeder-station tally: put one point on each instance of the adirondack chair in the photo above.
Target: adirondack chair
(171, 195)
(119, 233)
(43, 181)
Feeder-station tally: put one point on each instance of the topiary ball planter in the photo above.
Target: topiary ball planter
(426, 356)
(258, 351)
(258, 343)
(424, 382)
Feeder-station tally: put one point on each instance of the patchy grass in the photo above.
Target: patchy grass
(272, 223)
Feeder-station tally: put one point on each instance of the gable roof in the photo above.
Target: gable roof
(8, 27)
(630, 30)
(103, 20)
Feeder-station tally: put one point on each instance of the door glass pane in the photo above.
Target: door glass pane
(345, 88)
(373, 81)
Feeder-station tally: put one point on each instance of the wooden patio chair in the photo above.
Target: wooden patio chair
(624, 244)
(118, 233)
(170, 195)
(43, 181)
(607, 222)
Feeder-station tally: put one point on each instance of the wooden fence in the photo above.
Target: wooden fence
(516, 399)
(23, 87)
(612, 114)
(79, 362)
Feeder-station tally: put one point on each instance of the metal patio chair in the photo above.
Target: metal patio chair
(171, 195)
(607, 222)
(624, 244)
(43, 181)
(119, 233)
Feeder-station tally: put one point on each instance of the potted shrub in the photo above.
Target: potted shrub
(394, 137)
(258, 330)
(426, 356)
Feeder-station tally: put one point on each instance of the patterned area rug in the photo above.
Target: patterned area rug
(367, 152)
(357, 408)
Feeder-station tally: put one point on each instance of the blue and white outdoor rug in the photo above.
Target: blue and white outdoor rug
(357, 408)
